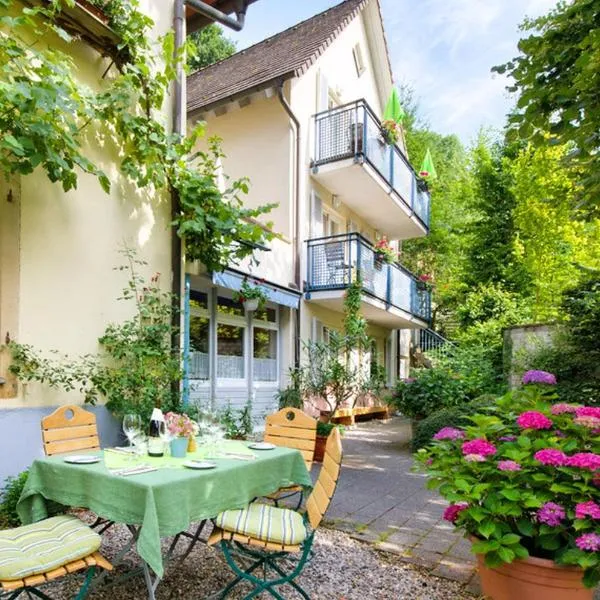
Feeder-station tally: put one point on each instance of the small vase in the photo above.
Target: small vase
(179, 447)
(192, 444)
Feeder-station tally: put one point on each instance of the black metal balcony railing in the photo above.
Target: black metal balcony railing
(334, 262)
(353, 131)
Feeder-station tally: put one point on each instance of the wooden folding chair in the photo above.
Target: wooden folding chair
(69, 428)
(292, 428)
(36, 554)
(268, 535)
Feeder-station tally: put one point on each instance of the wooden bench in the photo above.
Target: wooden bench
(348, 416)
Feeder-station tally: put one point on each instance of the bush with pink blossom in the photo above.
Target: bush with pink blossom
(524, 480)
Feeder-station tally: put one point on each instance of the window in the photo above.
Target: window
(231, 339)
(265, 354)
(359, 62)
(199, 336)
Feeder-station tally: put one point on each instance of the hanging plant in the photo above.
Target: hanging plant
(391, 131)
(252, 297)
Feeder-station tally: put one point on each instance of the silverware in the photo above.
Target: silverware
(133, 470)
(239, 456)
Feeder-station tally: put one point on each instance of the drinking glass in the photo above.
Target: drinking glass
(132, 426)
(165, 435)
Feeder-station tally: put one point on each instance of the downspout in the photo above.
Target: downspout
(179, 128)
(297, 245)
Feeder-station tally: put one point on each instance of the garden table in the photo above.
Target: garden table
(163, 502)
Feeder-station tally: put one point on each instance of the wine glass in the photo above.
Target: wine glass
(132, 426)
(165, 435)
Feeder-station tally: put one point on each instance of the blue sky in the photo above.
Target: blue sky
(443, 49)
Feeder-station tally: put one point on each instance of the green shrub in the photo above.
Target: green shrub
(447, 417)
(9, 497)
(324, 429)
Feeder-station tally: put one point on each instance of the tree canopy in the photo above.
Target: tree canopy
(208, 46)
(556, 78)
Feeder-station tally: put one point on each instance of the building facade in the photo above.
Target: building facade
(300, 114)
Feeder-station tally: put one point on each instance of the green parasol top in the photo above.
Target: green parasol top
(427, 166)
(393, 109)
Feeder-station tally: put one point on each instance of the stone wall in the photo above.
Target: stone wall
(521, 340)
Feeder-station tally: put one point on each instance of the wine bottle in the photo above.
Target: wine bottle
(155, 441)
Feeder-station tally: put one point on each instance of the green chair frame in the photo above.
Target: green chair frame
(268, 554)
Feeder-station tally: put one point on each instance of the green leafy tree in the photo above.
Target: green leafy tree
(556, 77)
(208, 46)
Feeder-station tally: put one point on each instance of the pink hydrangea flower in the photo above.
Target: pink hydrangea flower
(563, 407)
(590, 422)
(587, 509)
(585, 460)
(588, 541)
(449, 433)
(588, 411)
(550, 456)
(478, 446)
(474, 458)
(508, 438)
(539, 377)
(551, 514)
(509, 465)
(532, 419)
(451, 513)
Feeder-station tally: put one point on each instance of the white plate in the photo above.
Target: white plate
(262, 446)
(199, 464)
(83, 459)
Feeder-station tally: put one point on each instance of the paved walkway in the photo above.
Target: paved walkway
(379, 499)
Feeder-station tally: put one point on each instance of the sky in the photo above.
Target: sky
(443, 49)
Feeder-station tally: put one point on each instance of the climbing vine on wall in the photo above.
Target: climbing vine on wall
(47, 115)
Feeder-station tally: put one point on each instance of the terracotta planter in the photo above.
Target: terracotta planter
(532, 579)
(320, 442)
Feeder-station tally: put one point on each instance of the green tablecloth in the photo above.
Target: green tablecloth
(163, 502)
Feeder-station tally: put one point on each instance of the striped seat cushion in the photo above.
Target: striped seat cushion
(43, 546)
(265, 522)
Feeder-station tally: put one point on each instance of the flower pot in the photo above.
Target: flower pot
(251, 304)
(532, 579)
(320, 442)
(179, 447)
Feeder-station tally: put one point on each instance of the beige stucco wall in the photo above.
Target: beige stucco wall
(69, 244)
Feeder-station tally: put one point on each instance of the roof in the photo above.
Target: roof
(282, 56)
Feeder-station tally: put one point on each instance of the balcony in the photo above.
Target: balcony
(393, 297)
(371, 177)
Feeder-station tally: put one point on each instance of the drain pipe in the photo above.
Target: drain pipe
(179, 127)
(297, 257)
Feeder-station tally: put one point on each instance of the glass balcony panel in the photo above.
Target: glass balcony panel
(403, 178)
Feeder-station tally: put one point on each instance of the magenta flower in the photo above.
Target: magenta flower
(587, 509)
(451, 513)
(539, 377)
(532, 419)
(588, 411)
(551, 514)
(479, 446)
(563, 407)
(449, 433)
(550, 456)
(584, 460)
(508, 438)
(509, 465)
(588, 541)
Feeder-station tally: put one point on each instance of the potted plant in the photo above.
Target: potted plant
(390, 131)
(523, 482)
(384, 253)
(323, 431)
(181, 427)
(252, 297)
(425, 282)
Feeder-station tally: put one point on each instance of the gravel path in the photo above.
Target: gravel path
(341, 569)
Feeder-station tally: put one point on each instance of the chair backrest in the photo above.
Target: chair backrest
(334, 251)
(69, 428)
(292, 428)
(319, 499)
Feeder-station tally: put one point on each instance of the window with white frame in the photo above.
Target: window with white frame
(199, 336)
(265, 345)
(359, 61)
(231, 339)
